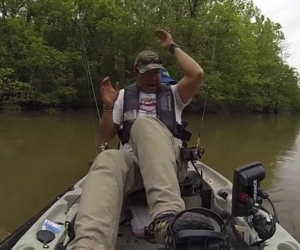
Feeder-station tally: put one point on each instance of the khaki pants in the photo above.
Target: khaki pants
(154, 163)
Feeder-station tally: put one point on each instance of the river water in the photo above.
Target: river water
(43, 154)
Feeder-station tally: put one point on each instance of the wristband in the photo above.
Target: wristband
(172, 47)
(108, 108)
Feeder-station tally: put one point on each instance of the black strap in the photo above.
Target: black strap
(181, 133)
(199, 233)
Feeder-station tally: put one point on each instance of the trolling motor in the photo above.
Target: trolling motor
(247, 198)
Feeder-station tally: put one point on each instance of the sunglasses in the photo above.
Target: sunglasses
(147, 61)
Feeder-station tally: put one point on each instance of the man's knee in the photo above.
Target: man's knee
(144, 123)
(111, 160)
(148, 126)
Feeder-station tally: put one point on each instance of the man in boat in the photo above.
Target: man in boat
(147, 117)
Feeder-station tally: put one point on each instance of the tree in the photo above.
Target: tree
(48, 45)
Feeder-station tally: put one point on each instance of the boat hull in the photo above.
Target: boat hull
(65, 208)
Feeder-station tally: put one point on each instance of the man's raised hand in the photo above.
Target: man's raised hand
(165, 38)
(108, 94)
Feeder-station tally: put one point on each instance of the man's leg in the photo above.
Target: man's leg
(158, 156)
(113, 173)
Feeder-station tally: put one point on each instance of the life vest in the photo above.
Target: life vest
(165, 110)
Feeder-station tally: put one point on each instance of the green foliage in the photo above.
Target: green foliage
(12, 91)
(45, 70)
(46, 45)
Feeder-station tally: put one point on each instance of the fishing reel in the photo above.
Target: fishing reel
(193, 153)
(247, 198)
(102, 147)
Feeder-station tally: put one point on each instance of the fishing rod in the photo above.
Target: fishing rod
(89, 82)
(195, 153)
(198, 148)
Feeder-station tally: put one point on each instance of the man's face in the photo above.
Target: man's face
(149, 81)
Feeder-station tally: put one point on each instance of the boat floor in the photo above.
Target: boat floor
(127, 241)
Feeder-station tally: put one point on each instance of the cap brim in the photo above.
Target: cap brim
(144, 68)
(168, 80)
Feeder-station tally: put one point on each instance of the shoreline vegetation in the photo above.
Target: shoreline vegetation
(43, 61)
(191, 109)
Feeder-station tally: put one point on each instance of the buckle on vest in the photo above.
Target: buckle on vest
(130, 115)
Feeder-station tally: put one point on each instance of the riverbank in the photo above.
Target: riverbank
(192, 109)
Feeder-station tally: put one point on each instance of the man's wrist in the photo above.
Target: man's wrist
(108, 108)
(172, 47)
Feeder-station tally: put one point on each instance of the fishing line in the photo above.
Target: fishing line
(89, 77)
(207, 86)
(93, 120)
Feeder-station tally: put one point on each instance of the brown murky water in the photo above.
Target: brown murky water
(42, 154)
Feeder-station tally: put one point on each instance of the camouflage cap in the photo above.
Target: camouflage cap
(147, 60)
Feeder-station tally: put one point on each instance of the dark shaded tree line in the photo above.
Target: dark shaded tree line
(42, 59)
